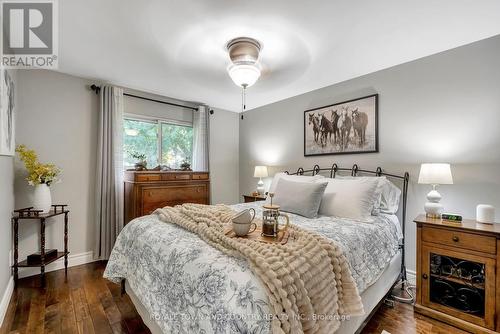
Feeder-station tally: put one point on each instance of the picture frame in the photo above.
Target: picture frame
(7, 114)
(348, 127)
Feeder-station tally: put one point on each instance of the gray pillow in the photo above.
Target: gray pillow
(302, 198)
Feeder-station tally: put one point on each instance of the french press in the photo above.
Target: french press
(270, 219)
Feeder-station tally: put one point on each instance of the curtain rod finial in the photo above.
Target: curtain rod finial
(95, 88)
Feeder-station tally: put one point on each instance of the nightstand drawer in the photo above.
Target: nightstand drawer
(470, 241)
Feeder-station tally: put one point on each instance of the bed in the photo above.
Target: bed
(180, 284)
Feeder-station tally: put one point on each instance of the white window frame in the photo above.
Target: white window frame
(158, 121)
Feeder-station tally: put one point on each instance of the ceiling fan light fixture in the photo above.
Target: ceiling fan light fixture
(244, 74)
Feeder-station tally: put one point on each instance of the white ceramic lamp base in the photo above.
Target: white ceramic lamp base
(260, 187)
(433, 208)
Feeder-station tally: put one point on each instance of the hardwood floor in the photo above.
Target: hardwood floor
(401, 319)
(87, 303)
(84, 303)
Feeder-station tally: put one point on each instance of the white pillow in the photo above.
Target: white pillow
(302, 198)
(387, 193)
(350, 198)
(296, 178)
(391, 194)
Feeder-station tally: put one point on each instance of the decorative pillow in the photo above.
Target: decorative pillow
(302, 198)
(296, 178)
(352, 198)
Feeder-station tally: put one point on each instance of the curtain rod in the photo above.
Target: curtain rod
(97, 89)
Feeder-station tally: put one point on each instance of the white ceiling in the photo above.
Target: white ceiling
(177, 48)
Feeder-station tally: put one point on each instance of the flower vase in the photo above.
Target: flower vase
(42, 199)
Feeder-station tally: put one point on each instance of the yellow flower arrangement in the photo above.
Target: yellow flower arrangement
(38, 173)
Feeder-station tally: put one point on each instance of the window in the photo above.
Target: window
(140, 137)
(161, 142)
(176, 144)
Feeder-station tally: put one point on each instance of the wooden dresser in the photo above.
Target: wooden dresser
(146, 191)
(458, 273)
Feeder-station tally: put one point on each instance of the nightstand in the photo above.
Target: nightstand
(251, 198)
(458, 273)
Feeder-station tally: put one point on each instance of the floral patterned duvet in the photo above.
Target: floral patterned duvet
(190, 287)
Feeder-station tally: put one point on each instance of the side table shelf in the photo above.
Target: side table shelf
(25, 264)
(31, 214)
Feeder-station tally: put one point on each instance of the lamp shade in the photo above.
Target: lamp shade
(260, 171)
(435, 173)
(244, 74)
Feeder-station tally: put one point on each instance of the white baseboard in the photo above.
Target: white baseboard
(4, 304)
(411, 276)
(73, 260)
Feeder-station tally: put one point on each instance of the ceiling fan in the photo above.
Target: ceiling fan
(245, 69)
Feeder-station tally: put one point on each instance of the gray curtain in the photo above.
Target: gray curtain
(109, 172)
(200, 139)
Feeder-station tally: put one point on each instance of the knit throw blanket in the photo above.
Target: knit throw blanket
(308, 280)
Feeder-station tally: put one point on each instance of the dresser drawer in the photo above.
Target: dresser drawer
(178, 177)
(470, 241)
(147, 177)
(159, 197)
(200, 176)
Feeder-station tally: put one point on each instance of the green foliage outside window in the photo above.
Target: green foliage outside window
(177, 145)
(141, 137)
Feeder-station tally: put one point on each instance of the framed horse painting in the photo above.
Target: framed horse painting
(342, 128)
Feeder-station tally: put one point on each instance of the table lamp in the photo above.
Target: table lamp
(434, 174)
(260, 172)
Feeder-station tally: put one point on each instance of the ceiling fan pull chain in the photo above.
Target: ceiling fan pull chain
(244, 98)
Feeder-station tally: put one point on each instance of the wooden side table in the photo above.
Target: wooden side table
(458, 273)
(251, 198)
(30, 214)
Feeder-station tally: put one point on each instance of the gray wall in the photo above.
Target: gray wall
(442, 108)
(224, 159)
(6, 205)
(57, 116)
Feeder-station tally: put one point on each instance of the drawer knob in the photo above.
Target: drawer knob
(455, 238)
(424, 276)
